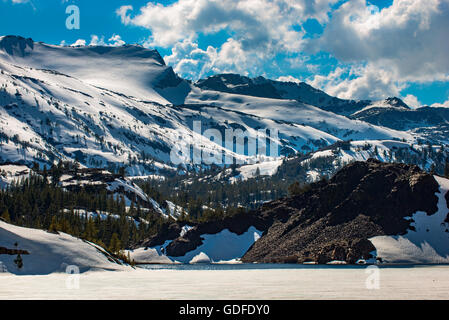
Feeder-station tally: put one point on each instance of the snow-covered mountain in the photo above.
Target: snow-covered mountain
(42, 252)
(265, 88)
(401, 118)
(122, 106)
(47, 116)
(130, 69)
(291, 111)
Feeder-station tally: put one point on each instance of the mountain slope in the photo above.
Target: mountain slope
(122, 106)
(46, 116)
(299, 91)
(214, 241)
(426, 240)
(265, 88)
(404, 119)
(45, 253)
(131, 70)
(296, 112)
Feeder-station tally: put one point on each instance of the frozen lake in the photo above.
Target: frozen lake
(236, 282)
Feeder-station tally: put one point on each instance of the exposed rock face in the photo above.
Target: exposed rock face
(168, 232)
(15, 45)
(234, 83)
(334, 219)
(237, 224)
(192, 239)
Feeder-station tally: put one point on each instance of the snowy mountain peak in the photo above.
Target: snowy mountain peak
(130, 70)
(16, 45)
(234, 83)
(396, 102)
(266, 88)
(19, 46)
(381, 106)
(126, 51)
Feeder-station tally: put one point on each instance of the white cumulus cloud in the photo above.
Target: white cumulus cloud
(79, 42)
(257, 29)
(409, 38)
(378, 52)
(358, 82)
(441, 105)
(412, 101)
(114, 41)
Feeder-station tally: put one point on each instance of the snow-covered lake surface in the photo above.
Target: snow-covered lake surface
(235, 282)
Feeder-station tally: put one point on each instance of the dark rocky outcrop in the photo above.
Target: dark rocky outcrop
(238, 224)
(237, 84)
(169, 231)
(16, 45)
(335, 218)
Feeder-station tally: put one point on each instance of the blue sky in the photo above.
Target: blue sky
(358, 49)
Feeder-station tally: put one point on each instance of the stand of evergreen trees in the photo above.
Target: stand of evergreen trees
(36, 203)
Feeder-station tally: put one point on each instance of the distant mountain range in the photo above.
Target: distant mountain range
(123, 106)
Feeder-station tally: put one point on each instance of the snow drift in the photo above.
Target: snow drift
(49, 253)
(225, 246)
(428, 243)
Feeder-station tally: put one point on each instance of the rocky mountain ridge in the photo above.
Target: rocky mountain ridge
(330, 220)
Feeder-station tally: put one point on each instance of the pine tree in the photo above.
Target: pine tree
(114, 245)
(122, 172)
(54, 226)
(18, 260)
(90, 233)
(5, 216)
(35, 167)
(130, 261)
